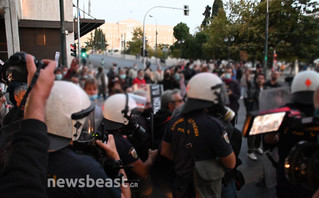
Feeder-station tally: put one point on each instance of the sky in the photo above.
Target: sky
(117, 10)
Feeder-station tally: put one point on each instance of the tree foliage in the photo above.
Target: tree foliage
(181, 31)
(97, 40)
(218, 4)
(188, 46)
(293, 31)
(135, 46)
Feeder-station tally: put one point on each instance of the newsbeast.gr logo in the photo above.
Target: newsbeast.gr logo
(88, 182)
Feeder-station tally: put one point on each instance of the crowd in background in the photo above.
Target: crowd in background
(241, 82)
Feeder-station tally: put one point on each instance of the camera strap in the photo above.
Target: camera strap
(33, 81)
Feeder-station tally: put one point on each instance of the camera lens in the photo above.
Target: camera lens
(16, 59)
(302, 165)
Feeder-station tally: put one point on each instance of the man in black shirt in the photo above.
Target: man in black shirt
(273, 82)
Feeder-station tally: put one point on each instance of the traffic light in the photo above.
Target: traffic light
(83, 56)
(73, 50)
(186, 10)
(83, 53)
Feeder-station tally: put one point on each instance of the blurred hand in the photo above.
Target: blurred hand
(74, 64)
(109, 147)
(3, 99)
(152, 154)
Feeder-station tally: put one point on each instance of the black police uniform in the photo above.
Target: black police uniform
(68, 164)
(209, 141)
(125, 149)
(287, 139)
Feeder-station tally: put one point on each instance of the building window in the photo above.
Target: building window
(41, 37)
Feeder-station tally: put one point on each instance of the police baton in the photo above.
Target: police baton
(152, 130)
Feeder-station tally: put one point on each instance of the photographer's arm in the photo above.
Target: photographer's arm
(28, 160)
(39, 94)
(111, 151)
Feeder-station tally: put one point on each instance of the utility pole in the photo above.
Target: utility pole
(62, 29)
(79, 35)
(155, 39)
(266, 41)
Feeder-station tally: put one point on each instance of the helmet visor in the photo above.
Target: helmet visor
(140, 104)
(220, 92)
(84, 124)
(88, 129)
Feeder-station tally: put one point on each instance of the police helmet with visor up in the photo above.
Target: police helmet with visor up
(203, 91)
(69, 115)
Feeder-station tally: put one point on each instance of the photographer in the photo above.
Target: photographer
(70, 121)
(303, 87)
(25, 173)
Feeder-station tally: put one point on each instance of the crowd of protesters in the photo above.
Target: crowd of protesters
(146, 149)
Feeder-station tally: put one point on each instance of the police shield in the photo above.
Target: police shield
(274, 98)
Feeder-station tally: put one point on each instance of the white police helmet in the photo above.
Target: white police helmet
(117, 110)
(68, 113)
(303, 86)
(204, 90)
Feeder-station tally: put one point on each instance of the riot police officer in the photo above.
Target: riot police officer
(196, 139)
(69, 116)
(119, 120)
(303, 87)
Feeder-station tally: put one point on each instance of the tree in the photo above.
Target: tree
(181, 31)
(90, 42)
(97, 42)
(291, 33)
(218, 4)
(216, 31)
(135, 46)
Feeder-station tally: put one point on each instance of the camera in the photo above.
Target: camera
(111, 167)
(302, 163)
(15, 68)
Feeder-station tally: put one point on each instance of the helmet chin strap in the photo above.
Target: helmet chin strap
(126, 109)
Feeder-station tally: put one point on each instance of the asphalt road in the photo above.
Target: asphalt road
(252, 170)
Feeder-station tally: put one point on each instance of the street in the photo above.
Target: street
(251, 170)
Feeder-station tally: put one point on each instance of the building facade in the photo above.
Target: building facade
(118, 34)
(33, 26)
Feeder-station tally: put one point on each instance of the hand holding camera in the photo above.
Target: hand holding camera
(109, 147)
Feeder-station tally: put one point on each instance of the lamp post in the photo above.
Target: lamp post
(181, 43)
(155, 39)
(266, 40)
(228, 40)
(186, 12)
